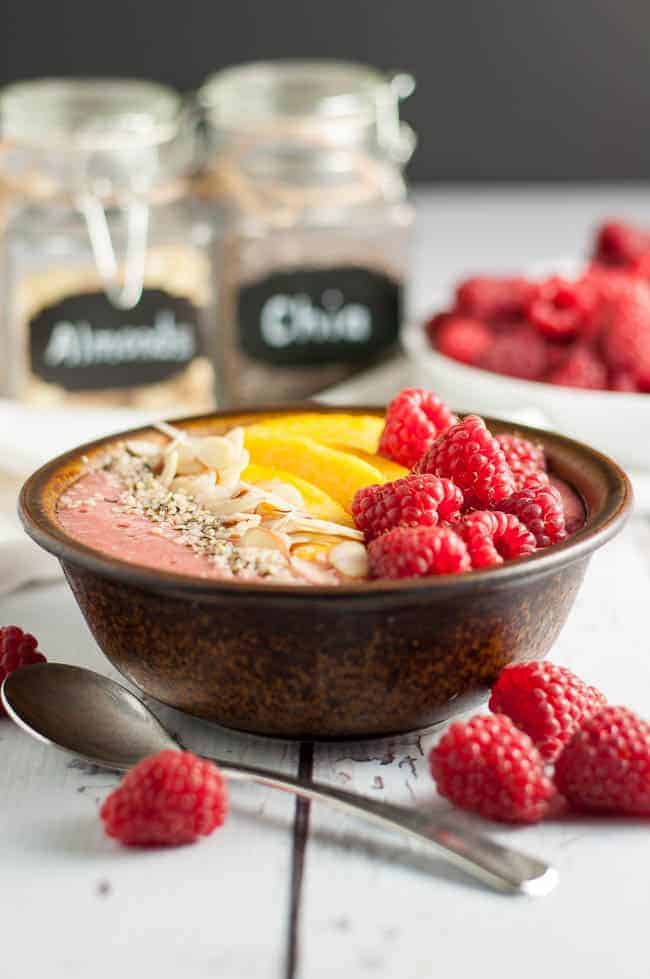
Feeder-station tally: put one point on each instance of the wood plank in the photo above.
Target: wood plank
(76, 904)
(374, 906)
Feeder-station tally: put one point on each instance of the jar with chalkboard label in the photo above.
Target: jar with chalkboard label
(107, 264)
(306, 160)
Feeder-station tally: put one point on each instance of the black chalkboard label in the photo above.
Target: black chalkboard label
(318, 316)
(84, 343)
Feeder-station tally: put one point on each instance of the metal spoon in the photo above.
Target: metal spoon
(100, 720)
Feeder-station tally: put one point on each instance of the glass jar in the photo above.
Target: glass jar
(306, 158)
(107, 280)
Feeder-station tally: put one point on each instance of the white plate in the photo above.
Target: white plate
(614, 422)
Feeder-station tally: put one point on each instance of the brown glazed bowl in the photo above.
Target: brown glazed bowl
(316, 662)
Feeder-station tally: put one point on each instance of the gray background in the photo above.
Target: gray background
(507, 89)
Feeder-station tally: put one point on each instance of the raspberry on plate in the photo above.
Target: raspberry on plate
(490, 297)
(626, 335)
(546, 701)
(416, 552)
(472, 458)
(17, 648)
(490, 767)
(413, 501)
(413, 420)
(605, 767)
(559, 307)
(620, 243)
(581, 368)
(524, 457)
(165, 800)
(539, 507)
(464, 339)
(492, 537)
(518, 352)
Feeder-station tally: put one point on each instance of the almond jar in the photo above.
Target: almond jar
(107, 278)
(306, 161)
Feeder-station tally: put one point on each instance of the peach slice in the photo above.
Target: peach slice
(317, 503)
(390, 470)
(351, 431)
(339, 474)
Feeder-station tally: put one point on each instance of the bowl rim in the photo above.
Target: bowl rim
(416, 345)
(48, 534)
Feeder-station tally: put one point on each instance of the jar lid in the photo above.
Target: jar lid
(342, 97)
(89, 114)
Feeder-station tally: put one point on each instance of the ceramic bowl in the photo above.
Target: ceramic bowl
(363, 660)
(616, 423)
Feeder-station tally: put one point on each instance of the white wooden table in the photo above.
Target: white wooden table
(273, 896)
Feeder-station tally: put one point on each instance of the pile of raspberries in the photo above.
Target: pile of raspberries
(592, 331)
(471, 500)
(551, 743)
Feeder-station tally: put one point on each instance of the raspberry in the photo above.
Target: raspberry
(415, 552)
(622, 381)
(464, 339)
(582, 368)
(413, 420)
(559, 307)
(518, 352)
(473, 459)
(626, 336)
(546, 701)
(491, 297)
(539, 508)
(489, 766)
(413, 501)
(524, 458)
(17, 648)
(492, 537)
(605, 767)
(165, 800)
(619, 243)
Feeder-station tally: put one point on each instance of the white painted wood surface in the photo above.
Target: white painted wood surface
(75, 905)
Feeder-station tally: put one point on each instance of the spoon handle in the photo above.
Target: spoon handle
(499, 866)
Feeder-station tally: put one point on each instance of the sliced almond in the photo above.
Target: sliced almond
(265, 539)
(285, 491)
(303, 522)
(214, 451)
(350, 558)
(236, 436)
(312, 572)
(143, 449)
(169, 469)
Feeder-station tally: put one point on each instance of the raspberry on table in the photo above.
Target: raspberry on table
(490, 297)
(518, 352)
(539, 508)
(490, 767)
(17, 648)
(620, 243)
(546, 701)
(464, 339)
(413, 501)
(492, 537)
(605, 767)
(559, 308)
(413, 420)
(416, 552)
(469, 455)
(582, 368)
(165, 800)
(524, 457)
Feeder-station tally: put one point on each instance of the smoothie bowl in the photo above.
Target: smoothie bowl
(274, 573)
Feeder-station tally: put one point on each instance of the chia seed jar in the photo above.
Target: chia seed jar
(306, 162)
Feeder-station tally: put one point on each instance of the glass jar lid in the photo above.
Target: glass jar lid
(101, 145)
(353, 104)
